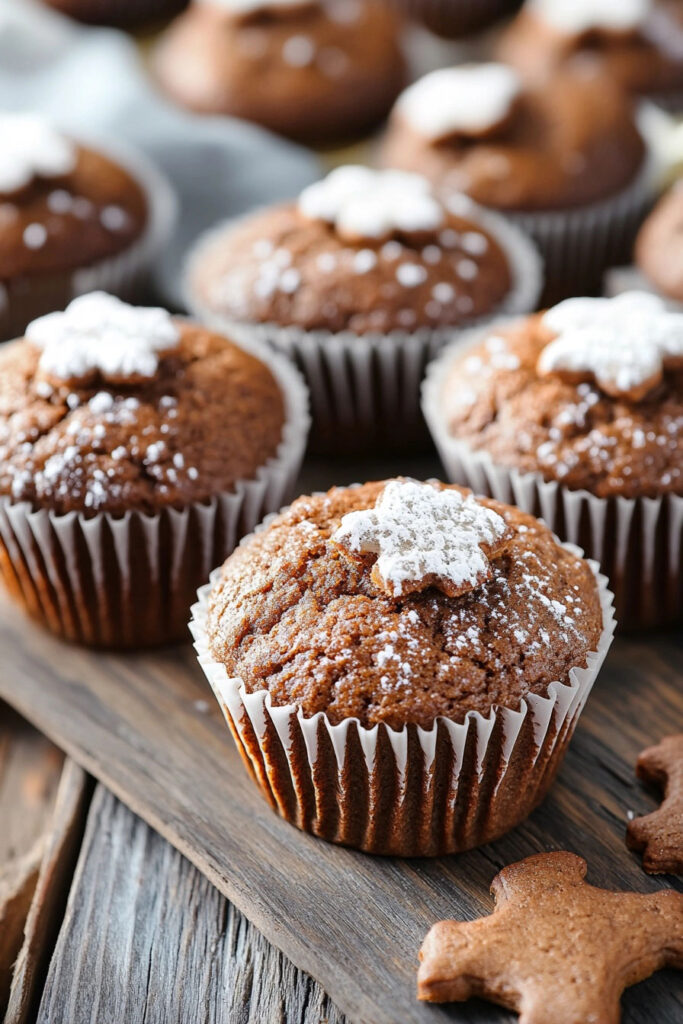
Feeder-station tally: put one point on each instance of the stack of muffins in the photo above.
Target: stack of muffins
(402, 663)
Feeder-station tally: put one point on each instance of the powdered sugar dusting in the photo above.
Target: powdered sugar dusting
(98, 333)
(364, 203)
(31, 147)
(424, 537)
(577, 16)
(467, 100)
(624, 344)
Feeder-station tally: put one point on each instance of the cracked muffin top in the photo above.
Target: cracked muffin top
(107, 407)
(589, 393)
(348, 603)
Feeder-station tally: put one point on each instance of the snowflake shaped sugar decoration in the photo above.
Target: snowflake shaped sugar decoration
(30, 147)
(98, 334)
(363, 203)
(579, 16)
(425, 537)
(624, 344)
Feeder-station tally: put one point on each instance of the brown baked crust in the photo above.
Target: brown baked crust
(215, 61)
(57, 224)
(559, 149)
(336, 285)
(211, 416)
(631, 59)
(493, 399)
(659, 246)
(293, 615)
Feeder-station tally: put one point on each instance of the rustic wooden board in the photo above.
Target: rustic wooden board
(147, 726)
(147, 938)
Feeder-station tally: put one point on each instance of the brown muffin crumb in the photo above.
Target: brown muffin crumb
(280, 267)
(293, 615)
(494, 399)
(212, 415)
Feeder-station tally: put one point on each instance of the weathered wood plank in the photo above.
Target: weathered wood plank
(147, 938)
(60, 850)
(30, 767)
(142, 723)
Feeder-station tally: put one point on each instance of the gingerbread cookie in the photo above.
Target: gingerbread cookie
(660, 835)
(555, 949)
(424, 535)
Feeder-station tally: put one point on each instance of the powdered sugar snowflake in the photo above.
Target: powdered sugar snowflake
(624, 344)
(364, 203)
(30, 146)
(99, 334)
(425, 537)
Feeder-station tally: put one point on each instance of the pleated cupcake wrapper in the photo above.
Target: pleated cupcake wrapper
(456, 17)
(637, 541)
(408, 792)
(365, 389)
(122, 274)
(578, 244)
(129, 581)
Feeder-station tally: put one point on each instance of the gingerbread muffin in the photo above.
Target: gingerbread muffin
(319, 71)
(638, 43)
(119, 13)
(571, 172)
(577, 415)
(135, 449)
(359, 281)
(659, 247)
(398, 641)
(71, 218)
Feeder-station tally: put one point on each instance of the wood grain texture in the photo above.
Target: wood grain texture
(60, 845)
(147, 938)
(147, 726)
(30, 768)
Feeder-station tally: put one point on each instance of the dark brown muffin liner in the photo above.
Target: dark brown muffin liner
(365, 389)
(129, 581)
(638, 542)
(411, 792)
(123, 274)
(452, 18)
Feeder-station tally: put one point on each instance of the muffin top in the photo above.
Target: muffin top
(108, 407)
(589, 394)
(301, 610)
(362, 251)
(638, 43)
(513, 145)
(659, 246)
(61, 205)
(296, 66)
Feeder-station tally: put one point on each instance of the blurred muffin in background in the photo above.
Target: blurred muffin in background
(571, 171)
(659, 246)
(319, 71)
(72, 218)
(638, 42)
(452, 18)
(120, 13)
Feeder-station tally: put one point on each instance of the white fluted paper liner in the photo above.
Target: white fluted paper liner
(129, 581)
(412, 791)
(121, 274)
(577, 244)
(637, 541)
(365, 389)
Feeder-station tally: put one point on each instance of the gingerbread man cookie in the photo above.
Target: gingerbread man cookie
(555, 949)
(660, 835)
